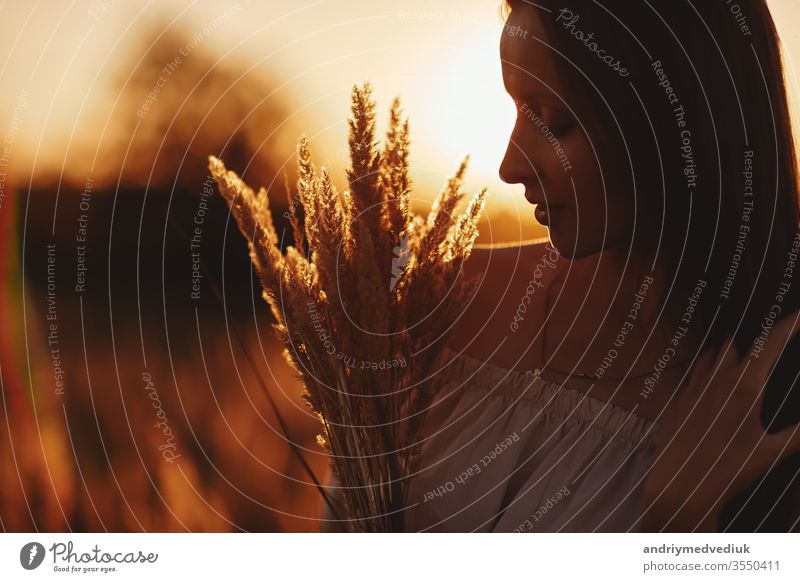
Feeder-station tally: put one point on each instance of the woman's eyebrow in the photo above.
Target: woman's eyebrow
(539, 96)
(516, 89)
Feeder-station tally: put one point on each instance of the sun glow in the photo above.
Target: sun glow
(479, 114)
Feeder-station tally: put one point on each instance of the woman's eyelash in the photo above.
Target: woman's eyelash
(561, 126)
(557, 121)
(560, 129)
(556, 117)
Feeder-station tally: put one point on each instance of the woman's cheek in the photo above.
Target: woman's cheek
(583, 169)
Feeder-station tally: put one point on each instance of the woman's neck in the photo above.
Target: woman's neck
(607, 312)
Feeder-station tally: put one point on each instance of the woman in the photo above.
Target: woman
(616, 377)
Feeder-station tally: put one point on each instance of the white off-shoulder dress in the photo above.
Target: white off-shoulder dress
(508, 451)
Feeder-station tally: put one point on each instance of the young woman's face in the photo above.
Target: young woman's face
(564, 174)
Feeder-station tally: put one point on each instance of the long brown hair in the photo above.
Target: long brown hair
(700, 128)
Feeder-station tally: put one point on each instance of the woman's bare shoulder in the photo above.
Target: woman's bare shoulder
(504, 272)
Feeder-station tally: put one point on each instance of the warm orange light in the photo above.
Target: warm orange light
(479, 115)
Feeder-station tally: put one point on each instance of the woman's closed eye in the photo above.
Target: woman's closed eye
(545, 117)
(559, 121)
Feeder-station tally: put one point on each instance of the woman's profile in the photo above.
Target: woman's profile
(621, 376)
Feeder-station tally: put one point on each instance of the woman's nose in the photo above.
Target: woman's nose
(516, 167)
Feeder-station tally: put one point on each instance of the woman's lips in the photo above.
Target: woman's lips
(543, 210)
(544, 213)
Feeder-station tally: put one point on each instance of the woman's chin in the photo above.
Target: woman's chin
(571, 252)
(570, 247)
(565, 243)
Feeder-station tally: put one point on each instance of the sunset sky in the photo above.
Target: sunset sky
(440, 57)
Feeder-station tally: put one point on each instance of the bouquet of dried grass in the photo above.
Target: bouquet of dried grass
(363, 313)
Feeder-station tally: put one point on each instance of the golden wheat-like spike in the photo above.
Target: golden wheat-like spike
(325, 202)
(307, 187)
(466, 230)
(327, 252)
(348, 217)
(441, 218)
(263, 215)
(301, 270)
(306, 173)
(337, 215)
(262, 238)
(294, 217)
(361, 142)
(392, 135)
(240, 195)
(443, 249)
(414, 234)
(403, 181)
(247, 206)
(367, 196)
(394, 171)
(234, 193)
(303, 323)
(450, 195)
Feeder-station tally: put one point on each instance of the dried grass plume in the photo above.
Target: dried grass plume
(364, 302)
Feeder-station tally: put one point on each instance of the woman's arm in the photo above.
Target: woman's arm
(711, 442)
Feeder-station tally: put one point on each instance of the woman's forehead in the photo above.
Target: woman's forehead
(529, 64)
